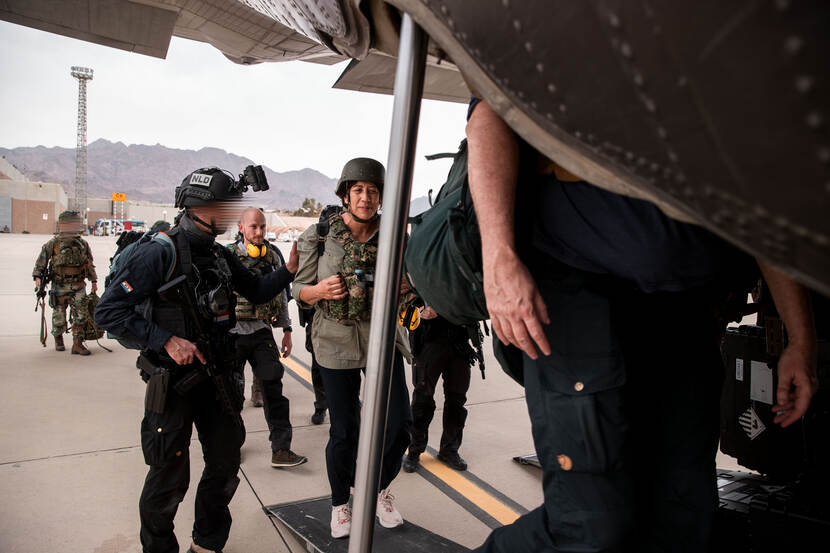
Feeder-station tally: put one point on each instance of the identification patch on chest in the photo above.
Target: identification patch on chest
(126, 286)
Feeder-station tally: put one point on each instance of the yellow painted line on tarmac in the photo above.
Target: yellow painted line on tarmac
(477, 496)
(469, 490)
(301, 371)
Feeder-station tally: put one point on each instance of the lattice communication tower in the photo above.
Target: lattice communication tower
(83, 74)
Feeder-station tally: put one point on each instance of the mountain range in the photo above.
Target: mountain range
(150, 173)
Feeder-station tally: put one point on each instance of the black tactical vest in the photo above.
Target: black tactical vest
(211, 294)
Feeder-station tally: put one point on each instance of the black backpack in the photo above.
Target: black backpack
(118, 261)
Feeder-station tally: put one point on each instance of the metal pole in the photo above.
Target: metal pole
(409, 85)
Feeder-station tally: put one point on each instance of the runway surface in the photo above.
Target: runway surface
(71, 467)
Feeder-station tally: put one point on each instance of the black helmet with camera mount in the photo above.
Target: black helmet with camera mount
(360, 169)
(212, 184)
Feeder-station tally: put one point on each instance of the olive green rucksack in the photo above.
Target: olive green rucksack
(92, 331)
(443, 263)
(443, 254)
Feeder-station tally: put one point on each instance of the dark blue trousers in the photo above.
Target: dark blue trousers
(624, 415)
(343, 394)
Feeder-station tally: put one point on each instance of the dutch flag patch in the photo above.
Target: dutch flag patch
(126, 286)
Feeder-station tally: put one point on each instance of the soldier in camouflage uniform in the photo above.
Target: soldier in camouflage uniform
(335, 277)
(255, 339)
(69, 258)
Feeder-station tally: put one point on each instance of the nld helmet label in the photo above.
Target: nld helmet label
(200, 179)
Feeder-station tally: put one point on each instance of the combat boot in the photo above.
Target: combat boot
(59, 343)
(256, 392)
(78, 346)
(452, 459)
(411, 461)
(319, 416)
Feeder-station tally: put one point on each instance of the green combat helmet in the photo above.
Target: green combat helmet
(69, 217)
(69, 223)
(360, 168)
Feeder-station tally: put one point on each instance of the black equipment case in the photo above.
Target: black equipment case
(786, 507)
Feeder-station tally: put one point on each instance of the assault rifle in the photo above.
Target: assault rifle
(214, 346)
(40, 300)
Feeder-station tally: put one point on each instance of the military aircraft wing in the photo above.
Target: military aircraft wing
(246, 31)
(715, 111)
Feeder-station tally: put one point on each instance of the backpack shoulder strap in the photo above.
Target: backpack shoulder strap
(431, 157)
(171, 248)
(457, 175)
(278, 253)
(182, 249)
(323, 226)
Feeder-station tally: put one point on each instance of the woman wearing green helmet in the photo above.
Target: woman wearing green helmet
(336, 274)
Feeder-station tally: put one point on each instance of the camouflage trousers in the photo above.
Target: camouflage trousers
(72, 295)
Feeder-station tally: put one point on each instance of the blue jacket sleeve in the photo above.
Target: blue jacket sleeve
(137, 280)
(282, 264)
(257, 289)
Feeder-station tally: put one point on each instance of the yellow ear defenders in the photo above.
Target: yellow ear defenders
(410, 316)
(256, 251)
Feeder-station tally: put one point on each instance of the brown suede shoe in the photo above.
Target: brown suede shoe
(78, 346)
(59, 343)
(285, 458)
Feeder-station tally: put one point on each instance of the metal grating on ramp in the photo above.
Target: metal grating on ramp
(309, 521)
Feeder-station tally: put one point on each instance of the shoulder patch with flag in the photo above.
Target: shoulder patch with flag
(126, 286)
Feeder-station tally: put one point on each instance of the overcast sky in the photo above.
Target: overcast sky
(283, 115)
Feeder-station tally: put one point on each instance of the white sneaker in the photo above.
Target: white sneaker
(387, 514)
(341, 521)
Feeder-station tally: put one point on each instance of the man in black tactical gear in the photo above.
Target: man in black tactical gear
(439, 349)
(321, 404)
(184, 291)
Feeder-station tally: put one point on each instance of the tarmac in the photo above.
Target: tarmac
(71, 467)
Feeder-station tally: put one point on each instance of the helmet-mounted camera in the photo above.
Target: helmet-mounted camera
(212, 184)
(254, 177)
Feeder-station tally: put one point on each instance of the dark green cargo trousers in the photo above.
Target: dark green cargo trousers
(624, 415)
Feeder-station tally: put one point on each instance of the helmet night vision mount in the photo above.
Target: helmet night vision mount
(212, 184)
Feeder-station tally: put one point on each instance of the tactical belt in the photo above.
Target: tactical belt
(68, 271)
(68, 278)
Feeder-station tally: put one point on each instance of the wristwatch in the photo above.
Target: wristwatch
(287, 329)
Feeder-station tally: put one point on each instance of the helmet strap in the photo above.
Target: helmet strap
(360, 219)
(211, 226)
